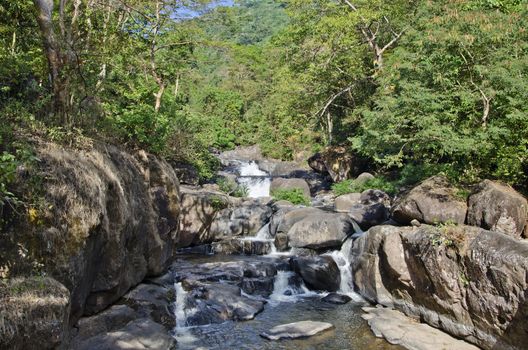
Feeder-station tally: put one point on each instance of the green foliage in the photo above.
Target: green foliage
(295, 196)
(218, 203)
(232, 188)
(431, 104)
(354, 186)
(8, 165)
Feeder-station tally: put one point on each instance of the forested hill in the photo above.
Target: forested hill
(418, 87)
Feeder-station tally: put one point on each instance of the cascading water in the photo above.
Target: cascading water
(343, 263)
(257, 181)
(181, 313)
(286, 291)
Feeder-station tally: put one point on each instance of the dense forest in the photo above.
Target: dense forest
(416, 86)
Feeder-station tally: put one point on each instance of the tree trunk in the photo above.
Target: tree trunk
(54, 57)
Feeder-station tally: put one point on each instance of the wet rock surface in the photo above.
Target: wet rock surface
(396, 328)
(318, 272)
(297, 330)
(336, 298)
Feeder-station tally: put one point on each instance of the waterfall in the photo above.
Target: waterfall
(181, 332)
(285, 291)
(341, 257)
(257, 181)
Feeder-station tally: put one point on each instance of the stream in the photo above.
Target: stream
(255, 293)
(289, 302)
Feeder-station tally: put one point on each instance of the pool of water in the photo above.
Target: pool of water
(350, 330)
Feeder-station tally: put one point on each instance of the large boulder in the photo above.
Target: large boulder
(34, 313)
(498, 207)
(369, 215)
(187, 173)
(281, 183)
(110, 219)
(347, 201)
(211, 216)
(320, 230)
(238, 246)
(433, 201)
(318, 272)
(338, 162)
(140, 334)
(464, 280)
(285, 218)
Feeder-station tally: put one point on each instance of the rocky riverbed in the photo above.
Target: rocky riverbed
(227, 272)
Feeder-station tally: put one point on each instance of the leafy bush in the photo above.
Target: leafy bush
(295, 196)
(353, 186)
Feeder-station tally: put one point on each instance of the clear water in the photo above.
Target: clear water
(256, 180)
(350, 330)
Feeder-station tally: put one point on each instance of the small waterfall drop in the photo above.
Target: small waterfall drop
(341, 257)
(181, 313)
(286, 291)
(257, 181)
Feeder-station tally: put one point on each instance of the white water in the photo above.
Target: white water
(181, 331)
(343, 263)
(283, 291)
(256, 180)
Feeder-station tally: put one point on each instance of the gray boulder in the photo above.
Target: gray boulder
(466, 281)
(281, 183)
(345, 202)
(335, 298)
(295, 330)
(320, 230)
(284, 219)
(187, 173)
(238, 246)
(433, 201)
(318, 272)
(140, 334)
(369, 215)
(364, 178)
(497, 207)
(374, 197)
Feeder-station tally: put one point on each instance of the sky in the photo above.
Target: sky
(190, 13)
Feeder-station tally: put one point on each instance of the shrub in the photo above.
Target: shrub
(353, 186)
(295, 196)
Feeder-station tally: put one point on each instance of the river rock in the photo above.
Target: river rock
(247, 153)
(141, 334)
(398, 329)
(240, 246)
(433, 201)
(363, 178)
(369, 215)
(187, 173)
(345, 202)
(318, 272)
(34, 313)
(372, 196)
(296, 330)
(110, 219)
(281, 183)
(281, 242)
(284, 219)
(320, 230)
(466, 281)
(211, 216)
(497, 207)
(219, 302)
(335, 298)
(316, 162)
